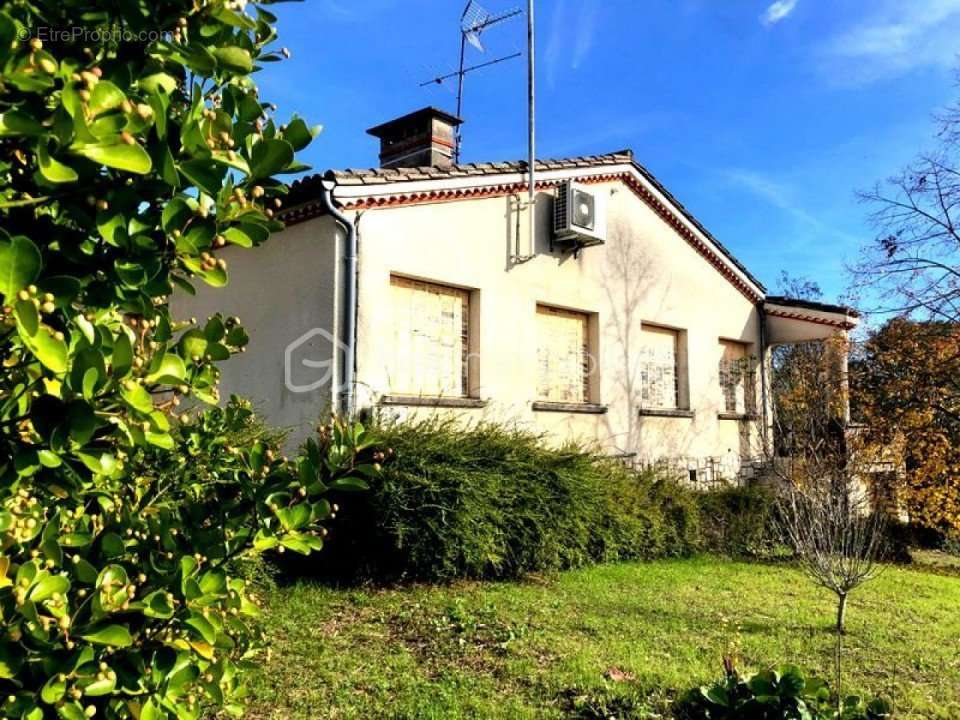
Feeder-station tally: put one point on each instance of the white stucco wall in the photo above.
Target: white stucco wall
(280, 291)
(644, 273)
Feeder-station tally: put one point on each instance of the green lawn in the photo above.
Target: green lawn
(610, 641)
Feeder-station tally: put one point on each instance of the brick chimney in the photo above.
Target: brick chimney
(426, 137)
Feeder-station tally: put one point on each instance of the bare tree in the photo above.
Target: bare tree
(798, 287)
(913, 264)
(822, 469)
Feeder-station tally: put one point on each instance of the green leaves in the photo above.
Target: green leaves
(11, 660)
(170, 370)
(299, 135)
(20, 264)
(137, 397)
(117, 507)
(157, 605)
(14, 122)
(122, 357)
(53, 170)
(105, 96)
(270, 157)
(43, 342)
(54, 689)
(121, 156)
(112, 635)
(777, 694)
(48, 586)
(234, 59)
(205, 174)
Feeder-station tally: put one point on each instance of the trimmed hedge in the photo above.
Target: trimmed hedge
(491, 501)
(740, 522)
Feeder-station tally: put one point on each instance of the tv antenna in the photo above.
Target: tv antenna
(474, 21)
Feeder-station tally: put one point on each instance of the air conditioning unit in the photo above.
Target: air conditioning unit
(579, 217)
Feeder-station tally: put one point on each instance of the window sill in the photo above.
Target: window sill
(582, 408)
(737, 416)
(437, 402)
(665, 412)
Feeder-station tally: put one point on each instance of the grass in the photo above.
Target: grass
(609, 641)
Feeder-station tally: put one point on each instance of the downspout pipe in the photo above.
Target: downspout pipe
(762, 333)
(348, 321)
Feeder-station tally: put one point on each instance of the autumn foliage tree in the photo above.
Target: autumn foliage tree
(907, 378)
(906, 390)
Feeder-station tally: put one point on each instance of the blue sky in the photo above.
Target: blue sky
(763, 119)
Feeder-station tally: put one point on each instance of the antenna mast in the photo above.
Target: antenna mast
(474, 20)
(532, 137)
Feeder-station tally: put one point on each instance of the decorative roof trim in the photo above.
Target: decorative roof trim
(722, 264)
(811, 305)
(829, 322)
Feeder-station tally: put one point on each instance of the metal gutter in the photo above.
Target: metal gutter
(348, 324)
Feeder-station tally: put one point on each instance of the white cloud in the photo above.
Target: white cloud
(778, 11)
(895, 39)
(783, 197)
(556, 41)
(562, 49)
(586, 32)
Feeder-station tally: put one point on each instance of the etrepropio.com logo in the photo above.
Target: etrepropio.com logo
(94, 34)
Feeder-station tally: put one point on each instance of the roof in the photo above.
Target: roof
(379, 176)
(309, 188)
(811, 305)
(415, 116)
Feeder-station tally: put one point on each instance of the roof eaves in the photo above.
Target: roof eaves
(699, 225)
(302, 190)
(812, 305)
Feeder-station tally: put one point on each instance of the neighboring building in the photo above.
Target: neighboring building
(643, 334)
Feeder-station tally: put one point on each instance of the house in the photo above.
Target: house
(417, 287)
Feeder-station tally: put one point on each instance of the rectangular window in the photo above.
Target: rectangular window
(660, 368)
(431, 339)
(737, 379)
(563, 355)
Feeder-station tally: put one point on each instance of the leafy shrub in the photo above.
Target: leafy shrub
(127, 600)
(132, 150)
(776, 694)
(593, 704)
(740, 522)
(488, 501)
